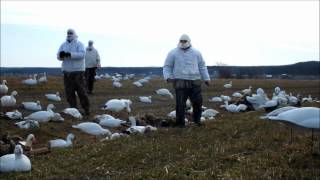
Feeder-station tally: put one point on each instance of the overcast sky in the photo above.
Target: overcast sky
(141, 33)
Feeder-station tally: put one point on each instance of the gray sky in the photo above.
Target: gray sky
(141, 33)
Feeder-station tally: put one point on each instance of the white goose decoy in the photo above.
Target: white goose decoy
(31, 81)
(117, 105)
(109, 121)
(117, 84)
(172, 114)
(277, 111)
(32, 106)
(237, 95)
(242, 107)
(53, 97)
(74, 112)
(209, 113)
(137, 84)
(27, 124)
(231, 107)
(145, 99)
(14, 115)
(3, 87)
(307, 99)
(257, 99)
(225, 98)
(43, 79)
(164, 92)
(92, 128)
(143, 81)
(61, 143)
(16, 162)
(215, 99)
(228, 85)
(45, 116)
(247, 91)
(308, 117)
(29, 141)
(9, 101)
(139, 129)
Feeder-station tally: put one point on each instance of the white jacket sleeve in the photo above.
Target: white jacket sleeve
(168, 67)
(79, 53)
(98, 57)
(60, 49)
(203, 69)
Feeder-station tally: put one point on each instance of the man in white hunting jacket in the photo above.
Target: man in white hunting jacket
(92, 59)
(185, 67)
(71, 53)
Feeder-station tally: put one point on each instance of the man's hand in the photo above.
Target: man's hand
(62, 54)
(207, 83)
(169, 80)
(68, 55)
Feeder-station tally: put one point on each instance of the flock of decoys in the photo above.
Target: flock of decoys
(282, 106)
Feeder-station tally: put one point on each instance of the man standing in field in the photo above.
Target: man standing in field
(185, 67)
(92, 59)
(71, 53)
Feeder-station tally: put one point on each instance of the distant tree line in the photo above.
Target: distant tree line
(310, 68)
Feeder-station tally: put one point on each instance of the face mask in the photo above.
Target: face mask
(70, 38)
(184, 45)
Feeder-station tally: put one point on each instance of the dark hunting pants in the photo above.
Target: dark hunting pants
(90, 74)
(188, 89)
(74, 83)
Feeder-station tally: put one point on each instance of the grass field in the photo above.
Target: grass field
(233, 146)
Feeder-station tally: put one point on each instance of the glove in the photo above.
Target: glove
(207, 83)
(68, 55)
(62, 54)
(169, 80)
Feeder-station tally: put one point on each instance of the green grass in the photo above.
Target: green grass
(237, 146)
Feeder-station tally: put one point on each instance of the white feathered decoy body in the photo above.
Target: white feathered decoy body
(61, 143)
(164, 92)
(308, 117)
(3, 87)
(53, 97)
(74, 112)
(117, 105)
(92, 128)
(9, 101)
(32, 106)
(17, 162)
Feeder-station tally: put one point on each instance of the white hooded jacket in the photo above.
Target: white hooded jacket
(92, 58)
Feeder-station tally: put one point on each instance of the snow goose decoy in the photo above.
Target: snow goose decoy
(109, 121)
(277, 111)
(308, 117)
(231, 107)
(215, 99)
(247, 91)
(3, 87)
(164, 92)
(45, 116)
(237, 95)
(209, 113)
(31, 81)
(74, 112)
(32, 106)
(92, 128)
(61, 143)
(14, 115)
(137, 84)
(16, 162)
(145, 99)
(307, 99)
(117, 105)
(116, 84)
(9, 101)
(139, 129)
(53, 97)
(43, 79)
(27, 124)
(228, 85)
(27, 144)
